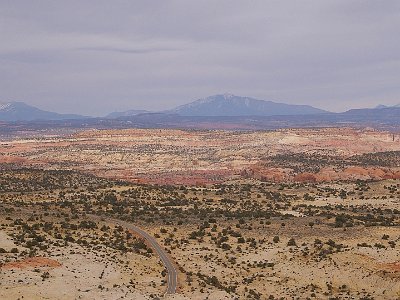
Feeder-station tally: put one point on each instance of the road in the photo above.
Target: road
(172, 278)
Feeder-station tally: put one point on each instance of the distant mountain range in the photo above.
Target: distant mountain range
(231, 105)
(20, 111)
(217, 107)
(370, 114)
(127, 113)
(385, 106)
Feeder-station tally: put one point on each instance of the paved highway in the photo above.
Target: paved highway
(172, 279)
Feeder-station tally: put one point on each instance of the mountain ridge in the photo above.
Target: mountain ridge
(20, 111)
(231, 105)
(126, 113)
(380, 106)
(221, 105)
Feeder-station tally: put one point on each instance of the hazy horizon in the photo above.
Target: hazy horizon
(96, 57)
(170, 108)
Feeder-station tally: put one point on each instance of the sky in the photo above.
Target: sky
(97, 56)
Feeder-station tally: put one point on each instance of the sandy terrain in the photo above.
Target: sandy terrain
(76, 272)
(288, 214)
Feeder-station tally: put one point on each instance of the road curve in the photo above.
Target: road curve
(172, 278)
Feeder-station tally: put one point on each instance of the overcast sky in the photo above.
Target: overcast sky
(95, 56)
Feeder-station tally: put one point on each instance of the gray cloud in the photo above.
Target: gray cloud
(96, 56)
(129, 51)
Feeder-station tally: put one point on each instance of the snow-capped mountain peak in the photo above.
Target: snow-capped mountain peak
(5, 106)
(231, 105)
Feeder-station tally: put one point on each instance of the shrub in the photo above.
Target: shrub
(291, 242)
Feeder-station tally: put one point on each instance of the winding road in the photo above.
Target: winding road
(172, 278)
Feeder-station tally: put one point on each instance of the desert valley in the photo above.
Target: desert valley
(239, 214)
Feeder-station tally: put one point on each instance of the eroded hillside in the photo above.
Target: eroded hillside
(197, 157)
